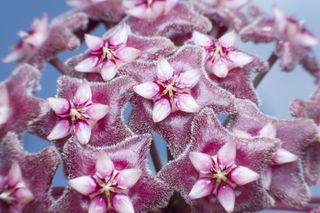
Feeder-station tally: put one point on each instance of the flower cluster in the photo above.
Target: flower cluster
(176, 65)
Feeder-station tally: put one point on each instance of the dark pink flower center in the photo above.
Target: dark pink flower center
(106, 53)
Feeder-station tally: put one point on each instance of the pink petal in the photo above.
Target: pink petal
(226, 197)
(227, 153)
(147, 90)
(164, 70)
(97, 111)
(83, 94)
(307, 40)
(23, 195)
(14, 175)
(169, 5)
(157, 9)
(4, 105)
(104, 165)
(128, 178)
(201, 39)
(15, 55)
(161, 110)
(84, 185)
(93, 42)
(59, 105)
(109, 71)
(97, 205)
(128, 54)
(280, 19)
(239, 59)
(83, 132)
(266, 178)
(220, 68)
(228, 39)
(122, 204)
(120, 36)
(186, 103)
(202, 188)
(269, 130)
(87, 65)
(60, 130)
(243, 175)
(138, 12)
(241, 134)
(283, 156)
(201, 162)
(188, 79)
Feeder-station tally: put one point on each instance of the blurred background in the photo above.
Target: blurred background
(276, 90)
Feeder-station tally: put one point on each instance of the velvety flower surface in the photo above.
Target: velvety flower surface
(28, 176)
(92, 111)
(44, 40)
(296, 137)
(18, 106)
(170, 91)
(118, 47)
(180, 20)
(111, 178)
(219, 172)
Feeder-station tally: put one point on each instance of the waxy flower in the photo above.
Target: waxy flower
(148, 9)
(171, 91)
(90, 110)
(221, 55)
(106, 55)
(77, 116)
(112, 178)
(4, 105)
(25, 179)
(219, 172)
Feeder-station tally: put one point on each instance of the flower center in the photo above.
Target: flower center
(108, 53)
(217, 51)
(75, 114)
(170, 89)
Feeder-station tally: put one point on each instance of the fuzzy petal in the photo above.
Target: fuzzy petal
(83, 132)
(128, 54)
(93, 42)
(84, 185)
(83, 94)
(283, 156)
(227, 153)
(202, 188)
(97, 205)
(201, 162)
(164, 70)
(186, 103)
(87, 65)
(226, 197)
(239, 58)
(97, 111)
(243, 175)
(188, 79)
(60, 130)
(59, 105)
(161, 110)
(147, 90)
(201, 39)
(122, 204)
(127, 178)
(109, 71)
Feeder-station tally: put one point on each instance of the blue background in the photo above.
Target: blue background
(276, 91)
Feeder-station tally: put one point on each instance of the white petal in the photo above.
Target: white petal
(84, 185)
(228, 39)
(83, 132)
(186, 103)
(226, 197)
(93, 42)
(157, 9)
(269, 130)
(307, 40)
(83, 94)
(59, 105)
(122, 204)
(161, 110)
(97, 111)
(14, 175)
(4, 104)
(241, 134)
(201, 162)
(128, 178)
(15, 55)
(164, 70)
(239, 59)
(138, 12)
(201, 39)
(23, 195)
(87, 65)
(280, 19)
(266, 178)
(220, 68)
(202, 188)
(97, 205)
(109, 71)
(120, 36)
(169, 5)
(128, 54)
(188, 79)
(60, 130)
(283, 156)
(227, 153)
(104, 165)
(147, 90)
(243, 175)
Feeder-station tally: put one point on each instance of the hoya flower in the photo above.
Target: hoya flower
(25, 178)
(90, 111)
(169, 92)
(219, 172)
(18, 106)
(221, 55)
(296, 137)
(148, 9)
(111, 178)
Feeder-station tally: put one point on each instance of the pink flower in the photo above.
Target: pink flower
(111, 178)
(171, 91)
(4, 105)
(106, 55)
(148, 9)
(77, 115)
(221, 56)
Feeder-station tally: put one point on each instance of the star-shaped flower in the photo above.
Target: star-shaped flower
(296, 137)
(111, 178)
(106, 55)
(219, 172)
(18, 106)
(177, 86)
(25, 179)
(90, 110)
